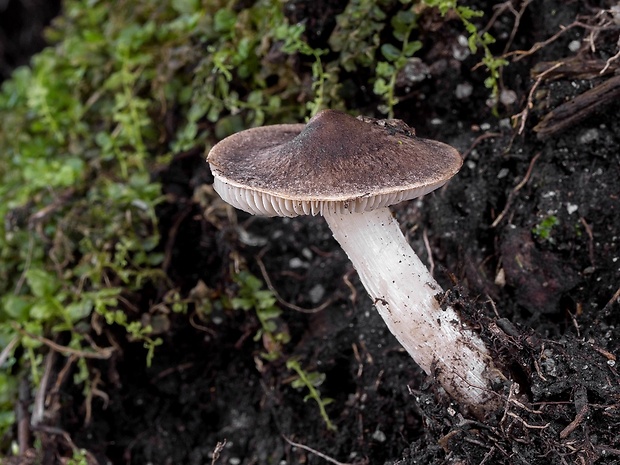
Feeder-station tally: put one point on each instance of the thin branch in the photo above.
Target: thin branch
(431, 262)
(575, 423)
(4, 355)
(38, 409)
(615, 297)
(523, 114)
(613, 58)
(517, 188)
(103, 353)
(315, 452)
(219, 447)
(486, 135)
(23, 420)
(279, 298)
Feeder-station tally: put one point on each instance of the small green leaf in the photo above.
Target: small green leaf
(41, 283)
(224, 20)
(15, 307)
(78, 310)
(390, 52)
(186, 6)
(412, 47)
(241, 303)
(42, 310)
(380, 87)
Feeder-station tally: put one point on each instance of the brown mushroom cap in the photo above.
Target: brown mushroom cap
(333, 163)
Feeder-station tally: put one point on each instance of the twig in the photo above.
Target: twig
(501, 8)
(488, 456)
(609, 60)
(66, 436)
(23, 423)
(523, 114)
(607, 450)
(349, 284)
(315, 452)
(615, 297)
(62, 374)
(175, 369)
(38, 409)
(103, 353)
(431, 263)
(279, 298)
(579, 108)
(520, 54)
(91, 392)
(199, 327)
(575, 323)
(4, 355)
(172, 236)
(605, 353)
(575, 423)
(219, 447)
(588, 229)
(517, 188)
(526, 424)
(477, 140)
(515, 27)
(358, 359)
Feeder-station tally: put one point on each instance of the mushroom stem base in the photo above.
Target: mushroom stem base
(403, 292)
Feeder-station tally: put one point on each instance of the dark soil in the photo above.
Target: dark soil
(21, 30)
(526, 238)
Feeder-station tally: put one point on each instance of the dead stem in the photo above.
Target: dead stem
(38, 409)
(92, 392)
(219, 447)
(349, 284)
(588, 229)
(279, 298)
(523, 114)
(609, 60)
(477, 140)
(575, 423)
(23, 419)
(172, 236)
(431, 263)
(615, 297)
(314, 451)
(4, 355)
(517, 188)
(100, 352)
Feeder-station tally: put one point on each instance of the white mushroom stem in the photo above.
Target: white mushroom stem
(403, 292)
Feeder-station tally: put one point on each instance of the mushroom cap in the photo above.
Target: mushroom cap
(334, 163)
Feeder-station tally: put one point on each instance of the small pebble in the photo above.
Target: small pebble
(379, 436)
(463, 90)
(574, 45)
(589, 136)
(316, 294)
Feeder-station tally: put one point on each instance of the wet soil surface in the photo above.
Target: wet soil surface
(526, 238)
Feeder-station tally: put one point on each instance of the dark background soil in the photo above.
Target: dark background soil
(21, 30)
(548, 307)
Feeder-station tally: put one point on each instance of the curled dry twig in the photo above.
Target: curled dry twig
(314, 451)
(279, 298)
(517, 188)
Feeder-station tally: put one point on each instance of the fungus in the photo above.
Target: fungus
(350, 170)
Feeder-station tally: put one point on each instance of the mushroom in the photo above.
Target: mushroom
(350, 170)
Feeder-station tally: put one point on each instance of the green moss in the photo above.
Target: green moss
(543, 230)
